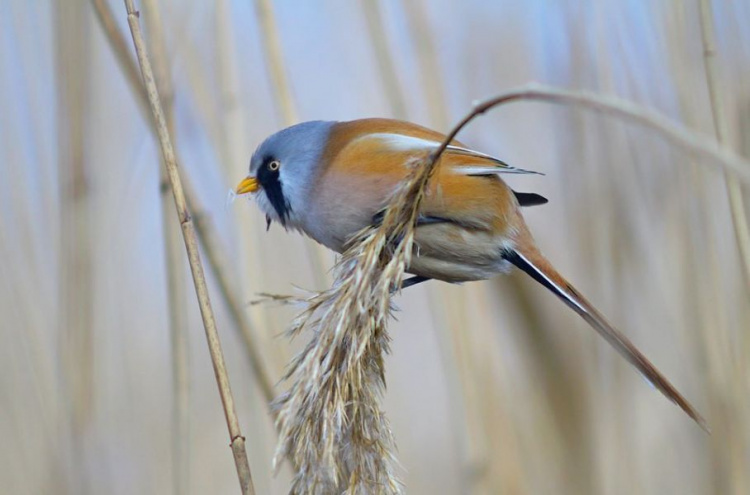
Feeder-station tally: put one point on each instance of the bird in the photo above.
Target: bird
(330, 179)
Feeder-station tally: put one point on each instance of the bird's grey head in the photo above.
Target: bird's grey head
(284, 166)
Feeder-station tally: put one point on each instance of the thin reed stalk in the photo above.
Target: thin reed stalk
(215, 254)
(76, 243)
(237, 441)
(233, 126)
(721, 127)
(691, 141)
(386, 66)
(76, 290)
(120, 49)
(178, 337)
(728, 444)
(237, 310)
(706, 313)
(232, 146)
(275, 60)
(429, 67)
(174, 261)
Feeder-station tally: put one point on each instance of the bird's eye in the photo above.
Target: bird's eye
(274, 165)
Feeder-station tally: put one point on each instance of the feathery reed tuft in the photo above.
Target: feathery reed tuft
(330, 421)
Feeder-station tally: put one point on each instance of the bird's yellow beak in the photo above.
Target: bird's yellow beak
(248, 185)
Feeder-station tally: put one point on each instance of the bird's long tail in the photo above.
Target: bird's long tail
(531, 261)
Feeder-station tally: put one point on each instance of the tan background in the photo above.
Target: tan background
(494, 387)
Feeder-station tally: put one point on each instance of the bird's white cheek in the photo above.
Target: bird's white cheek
(265, 206)
(291, 222)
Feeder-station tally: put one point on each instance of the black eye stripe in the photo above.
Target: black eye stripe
(271, 185)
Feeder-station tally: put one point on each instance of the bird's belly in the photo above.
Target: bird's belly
(455, 272)
(455, 254)
(443, 251)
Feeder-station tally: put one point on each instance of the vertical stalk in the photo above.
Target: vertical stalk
(383, 57)
(728, 444)
(76, 280)
(215, 254)
(196, 267)
(429, 68)
(275, 61)
(734, 190)
(233, 150)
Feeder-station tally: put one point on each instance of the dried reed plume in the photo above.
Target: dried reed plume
(330, 422)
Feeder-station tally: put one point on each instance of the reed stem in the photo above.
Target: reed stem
(721, 127)
(237, 441)
(205, 229)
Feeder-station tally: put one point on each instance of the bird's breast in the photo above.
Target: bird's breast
(344, 204)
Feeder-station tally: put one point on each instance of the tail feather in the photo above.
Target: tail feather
(534, 264)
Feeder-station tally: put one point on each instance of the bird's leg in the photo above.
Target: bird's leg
(416, 279)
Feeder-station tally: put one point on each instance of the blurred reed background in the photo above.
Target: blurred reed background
(105, 380)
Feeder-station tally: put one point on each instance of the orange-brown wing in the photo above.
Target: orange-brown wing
(381, 135)
(373, 155)
(480, 202)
